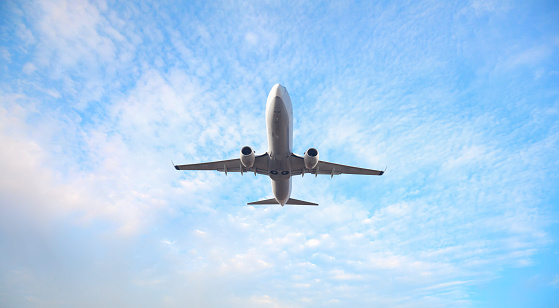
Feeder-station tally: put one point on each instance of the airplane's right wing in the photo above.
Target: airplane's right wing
(324, 167)
(231, 165)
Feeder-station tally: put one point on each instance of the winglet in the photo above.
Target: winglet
(382, 172)
(176, 167)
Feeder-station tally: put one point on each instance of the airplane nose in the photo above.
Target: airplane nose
(277, 90)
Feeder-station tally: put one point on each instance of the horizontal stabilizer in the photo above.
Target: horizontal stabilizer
(299, 202)
(267, 201)
(289, 201)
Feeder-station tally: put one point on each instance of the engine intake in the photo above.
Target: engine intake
(311, 158)
(247, 157)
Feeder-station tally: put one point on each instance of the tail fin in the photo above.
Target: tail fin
(289, 201)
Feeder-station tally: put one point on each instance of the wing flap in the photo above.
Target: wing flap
(231, 165)
(324, 167)
(219, 165)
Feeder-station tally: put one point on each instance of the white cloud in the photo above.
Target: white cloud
(312, 243)
(529, 57)
(251, 38)
(28, 187)
(29, 68)
(493, 6)
(200, 233)
(5, 54)
(70, 30)
(341, 275)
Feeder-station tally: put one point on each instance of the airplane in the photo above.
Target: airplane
(279, 162)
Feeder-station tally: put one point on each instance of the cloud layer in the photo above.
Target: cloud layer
(459, 100)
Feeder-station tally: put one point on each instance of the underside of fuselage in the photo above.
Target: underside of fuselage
(279, 127)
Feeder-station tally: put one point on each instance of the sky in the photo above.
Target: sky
(458, 99)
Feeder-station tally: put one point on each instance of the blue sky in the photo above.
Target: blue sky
(459, 99)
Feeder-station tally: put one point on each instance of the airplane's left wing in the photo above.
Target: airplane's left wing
(231, 165)
(324, 167)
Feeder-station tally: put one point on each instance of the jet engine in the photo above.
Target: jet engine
(311, 158)
(247, 156)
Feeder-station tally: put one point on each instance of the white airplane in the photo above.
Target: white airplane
(279, 163)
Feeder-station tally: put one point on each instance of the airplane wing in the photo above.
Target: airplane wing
(231, 165)
(324, 167)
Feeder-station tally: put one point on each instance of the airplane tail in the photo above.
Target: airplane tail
(289, 201)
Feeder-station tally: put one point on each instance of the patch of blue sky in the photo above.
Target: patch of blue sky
(458, 99)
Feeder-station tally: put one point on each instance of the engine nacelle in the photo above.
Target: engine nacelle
(311, 158)
(247, 157)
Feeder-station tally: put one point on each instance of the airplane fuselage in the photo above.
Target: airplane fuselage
(279, 127)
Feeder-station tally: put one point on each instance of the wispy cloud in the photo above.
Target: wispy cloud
(97, 98)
